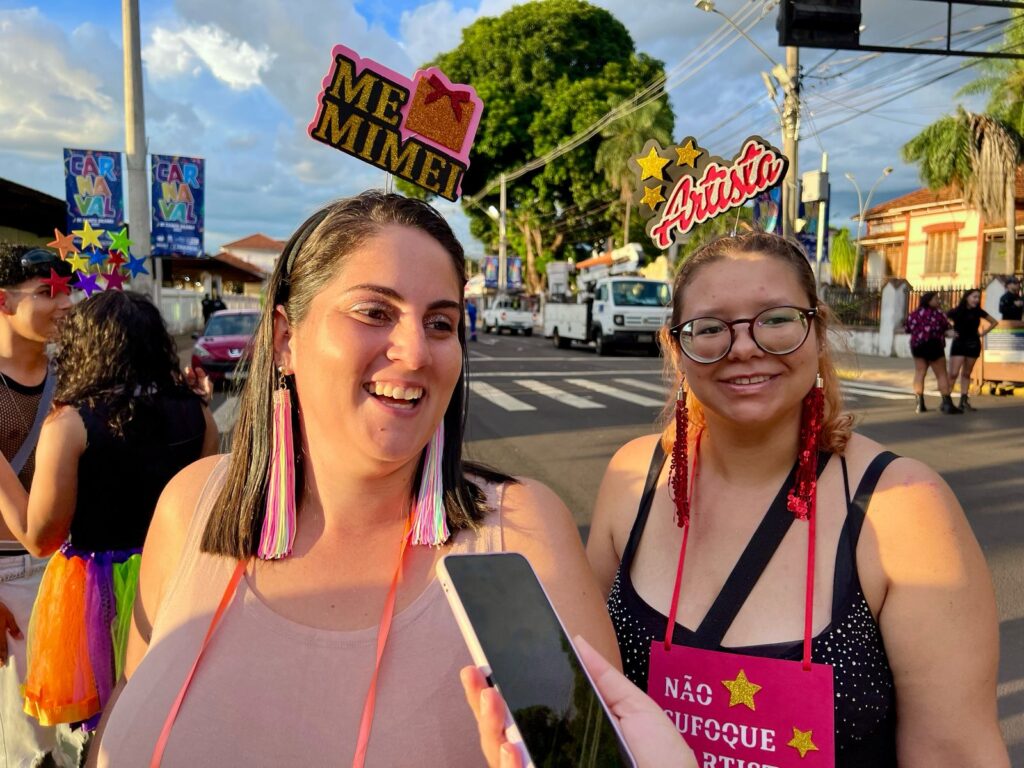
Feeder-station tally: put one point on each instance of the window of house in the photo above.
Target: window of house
(940, 253)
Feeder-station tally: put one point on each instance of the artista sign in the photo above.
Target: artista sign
(419, 130)
(700, 186)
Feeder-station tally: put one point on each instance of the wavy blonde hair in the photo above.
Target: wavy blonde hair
(837, 423)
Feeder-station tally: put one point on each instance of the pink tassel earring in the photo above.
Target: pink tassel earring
(679, 469)
(802, 495)
(429, 520)
(278, 534)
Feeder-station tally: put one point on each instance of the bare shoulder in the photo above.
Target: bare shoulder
(530, 504)
(636, 454)
(64, 420)
(177, 504)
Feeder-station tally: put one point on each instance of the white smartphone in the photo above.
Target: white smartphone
(554, 714)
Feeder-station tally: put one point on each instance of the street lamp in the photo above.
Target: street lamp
(500, 215)
(862, 207)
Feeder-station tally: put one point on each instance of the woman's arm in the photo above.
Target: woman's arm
(616, 507)
(939, 623)
(538, 525)
(211, 437)
(992, 323)
(41, 520)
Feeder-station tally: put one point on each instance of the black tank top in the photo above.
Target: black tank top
(120, 477)
(865, 705)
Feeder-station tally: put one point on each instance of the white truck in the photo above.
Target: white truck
(507, 313)
(622, 312)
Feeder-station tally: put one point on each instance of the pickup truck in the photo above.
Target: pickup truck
(623, 312)
(506, 313)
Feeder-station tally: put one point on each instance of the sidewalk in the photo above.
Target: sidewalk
(895, 372)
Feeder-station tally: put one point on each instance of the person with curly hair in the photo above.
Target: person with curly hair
(124, 422)
(764, 472)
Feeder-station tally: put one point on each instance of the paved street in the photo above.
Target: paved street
(559, 415)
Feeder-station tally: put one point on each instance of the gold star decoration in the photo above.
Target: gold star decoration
(651, 165)
(88, 235)
(78, 262)
(63, 244)
(741, 690)
(652, 196)
(801, 742)
(688, 153)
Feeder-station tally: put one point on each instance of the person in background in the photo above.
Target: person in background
(207, 305)
(217, 304)
(30, 314)
(928, 326)
(967, 317)
(898, 592)
(1011, 304)
(471, 311)
(124, 422)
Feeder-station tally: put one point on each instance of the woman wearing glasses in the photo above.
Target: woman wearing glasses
(893, 593)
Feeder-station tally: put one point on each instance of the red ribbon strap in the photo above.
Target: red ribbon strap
(457, 98)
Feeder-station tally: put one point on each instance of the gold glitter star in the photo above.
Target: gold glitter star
(801, 742)
(741, 690)
(651, 165)
(688, 153)
(78, 262)
(88, 235)
(652, 196)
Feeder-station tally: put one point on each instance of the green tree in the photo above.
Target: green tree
(545, 71)
(842, 257)
(976, 154)
(625, 138)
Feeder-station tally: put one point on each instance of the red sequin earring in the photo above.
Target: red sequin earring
(679, 470)
(801, 500)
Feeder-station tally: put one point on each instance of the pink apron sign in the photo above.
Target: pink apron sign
(739, 711)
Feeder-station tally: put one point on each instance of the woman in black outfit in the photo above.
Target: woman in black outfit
(966, 348)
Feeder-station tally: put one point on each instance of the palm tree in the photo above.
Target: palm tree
(976, 154)
(625, 138)
(1003, 79)
(842, 257)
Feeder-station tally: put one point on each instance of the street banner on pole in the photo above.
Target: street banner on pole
(178, 203)
(490, 270)
(93, 184)
(515, 273)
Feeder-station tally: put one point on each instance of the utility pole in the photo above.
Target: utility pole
(135, 142)
(502, 239)
(791, 141)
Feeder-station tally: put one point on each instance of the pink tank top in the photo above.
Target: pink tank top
(271, 692)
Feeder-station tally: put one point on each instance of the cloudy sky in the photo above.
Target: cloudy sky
(236, 83)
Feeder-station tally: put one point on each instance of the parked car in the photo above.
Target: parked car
(224, 342)
(508, 313)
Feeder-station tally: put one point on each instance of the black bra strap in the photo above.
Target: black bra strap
(646, 499)
(751, 564)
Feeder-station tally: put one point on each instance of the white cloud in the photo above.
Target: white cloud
(234, 62)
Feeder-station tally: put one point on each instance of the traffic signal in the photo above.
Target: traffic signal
(819, 23)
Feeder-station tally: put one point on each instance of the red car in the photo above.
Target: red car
(224, 343)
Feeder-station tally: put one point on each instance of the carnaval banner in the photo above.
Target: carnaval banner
(490, 270)
(515, 273)
(420, 130)
(738, 711)
(683, 186)
(93, 187)
(178, 205)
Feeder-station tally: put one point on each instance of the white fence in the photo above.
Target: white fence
(183, 309)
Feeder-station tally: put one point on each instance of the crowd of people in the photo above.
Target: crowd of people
(299, 568)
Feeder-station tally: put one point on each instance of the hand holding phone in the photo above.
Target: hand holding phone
(554, 716)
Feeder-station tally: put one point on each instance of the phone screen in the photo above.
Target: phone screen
(559, 715)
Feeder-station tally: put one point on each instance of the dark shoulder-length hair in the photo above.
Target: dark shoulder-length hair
(926, 299)
(311, 259)
(962, 305)
(114, 354)
(837, 424)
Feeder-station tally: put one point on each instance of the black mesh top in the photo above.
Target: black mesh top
(18, 406)
(865, 702)
(120, 478)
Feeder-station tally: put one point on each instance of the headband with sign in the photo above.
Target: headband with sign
(87, 268)
(419, 130)
(682, 186)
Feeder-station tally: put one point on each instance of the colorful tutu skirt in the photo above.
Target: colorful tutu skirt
(78, 634)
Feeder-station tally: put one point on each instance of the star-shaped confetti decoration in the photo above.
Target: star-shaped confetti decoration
(115, 280)
(114, 259)
(741, 690)
(801, 742)
(57, 283)
(96, 258)
(63, 244)
(688, 154)
(78, 262)
(88, 236)
(652, 196)
(87, 283)
(119, 241)
(136, 266)
(651, 165)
